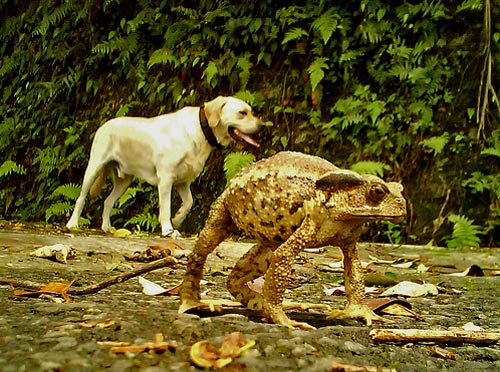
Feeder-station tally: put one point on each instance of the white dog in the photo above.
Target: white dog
(168, 151)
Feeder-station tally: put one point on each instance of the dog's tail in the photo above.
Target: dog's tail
(98, 183)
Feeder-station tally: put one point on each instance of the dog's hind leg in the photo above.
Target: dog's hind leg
(187, 202)
(120, 184)
(92, 173)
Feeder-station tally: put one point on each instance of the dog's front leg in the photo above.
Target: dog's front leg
(187, 202)
(165, 195)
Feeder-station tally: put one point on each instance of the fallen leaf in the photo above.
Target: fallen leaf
(97, 323)
(340, 290)
(120, 233)
(422, 268)
(205, 354)
(471, 327)
(60, 252)
(439, 352)
(473, 270)
(403, 265)
(157, 346)
(410, 289)
(151, 289)
(57, 288)
(398, 307)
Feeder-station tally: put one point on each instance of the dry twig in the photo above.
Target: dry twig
(425, 335)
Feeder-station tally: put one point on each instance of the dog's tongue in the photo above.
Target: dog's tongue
(247, 138)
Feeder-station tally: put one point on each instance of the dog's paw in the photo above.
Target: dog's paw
(172, 234)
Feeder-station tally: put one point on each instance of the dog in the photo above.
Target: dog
(168, 151)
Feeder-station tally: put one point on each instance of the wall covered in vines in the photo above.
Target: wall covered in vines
(403, 89)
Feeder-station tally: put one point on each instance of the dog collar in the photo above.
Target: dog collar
(207, 131)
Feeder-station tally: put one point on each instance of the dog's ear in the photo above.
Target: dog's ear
(213, 110)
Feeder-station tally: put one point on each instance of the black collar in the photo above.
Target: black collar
(207, 131)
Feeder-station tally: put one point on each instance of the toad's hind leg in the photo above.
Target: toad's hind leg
(217, 227)
(251, 266)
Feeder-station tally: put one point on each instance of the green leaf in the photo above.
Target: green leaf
(375, 168)
(465, 233)
(70, 191)
(294, 34)
(326, 24)
(235, 161)
(8, 167)
(211, 71)
(436, 143)
(315, 70)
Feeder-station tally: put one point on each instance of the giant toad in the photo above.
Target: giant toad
(289, 202)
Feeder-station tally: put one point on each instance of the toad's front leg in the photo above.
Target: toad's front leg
(354, 281)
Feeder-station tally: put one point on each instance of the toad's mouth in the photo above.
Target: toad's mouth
(242, 137)
(378, 217)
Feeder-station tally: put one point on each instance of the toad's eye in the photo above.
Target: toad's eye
(377, 192)
(243, 113)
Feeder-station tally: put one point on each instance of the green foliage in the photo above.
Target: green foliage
(465, 233)
(9, 167)
(375, 168)
(387, 88)
(235, 161)
(145, 221)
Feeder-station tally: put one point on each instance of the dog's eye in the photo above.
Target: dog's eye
(243, 113)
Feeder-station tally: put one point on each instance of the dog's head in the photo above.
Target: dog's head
(232, 119)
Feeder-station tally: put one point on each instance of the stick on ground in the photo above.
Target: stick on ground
(94, 288)
(424, 335)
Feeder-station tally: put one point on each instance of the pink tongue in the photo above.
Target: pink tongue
(247, 138)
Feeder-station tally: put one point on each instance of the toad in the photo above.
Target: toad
(288, 202)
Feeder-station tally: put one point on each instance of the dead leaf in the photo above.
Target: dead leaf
(473, 270)
(439, 352)
(149, 288)
(471, 327)
(157, 346)
(97, 323)
(340, 290)
(57, 288)
(120, 233)
(59, 252)
(410, 289)
(205, 354)
(152, 289)
(403, 265)
(398, 307)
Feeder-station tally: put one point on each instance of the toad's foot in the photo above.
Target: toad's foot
(277, 316)
(305, 306)
(214, 306)
(357, 312)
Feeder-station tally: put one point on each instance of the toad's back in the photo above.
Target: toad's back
(266, 199)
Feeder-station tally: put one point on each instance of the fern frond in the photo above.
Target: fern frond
(53, 18)
(235, 161)
(128, 195)
(8, 167)
(58, 209)
(326, 24)
(9, 64)
(375, 168)
(161, 56)
(70, 191)
(436, 143)
(465, 233)
(294, 34)
(146, 221)
(316, 71)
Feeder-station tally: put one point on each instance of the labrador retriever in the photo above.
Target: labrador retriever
(168, 151)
